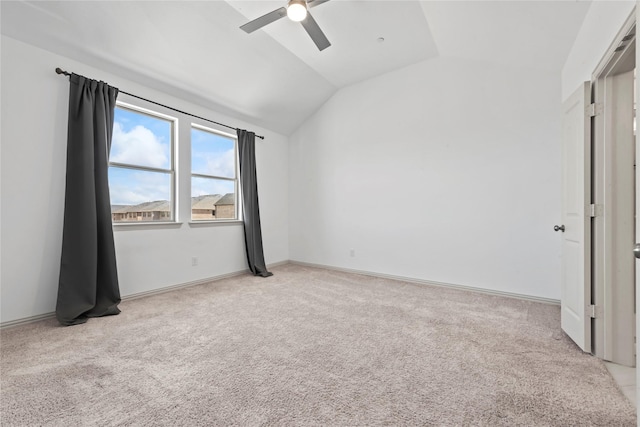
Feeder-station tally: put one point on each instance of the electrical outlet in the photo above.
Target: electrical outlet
(352, 252)
(194, 261)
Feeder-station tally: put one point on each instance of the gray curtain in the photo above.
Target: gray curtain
(251, 210)
(88, 284)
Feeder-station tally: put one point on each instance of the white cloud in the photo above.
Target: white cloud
(132, 188)
(130, 196)
(139, 146)
(221, 164)
(205, 186)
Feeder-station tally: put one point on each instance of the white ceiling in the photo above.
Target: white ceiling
(530, 34)
(353, 28)
(276, 77)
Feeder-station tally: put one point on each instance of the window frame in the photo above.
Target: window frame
(236, 180)
(173, 203)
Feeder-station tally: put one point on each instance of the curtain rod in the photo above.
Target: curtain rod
(61, 71)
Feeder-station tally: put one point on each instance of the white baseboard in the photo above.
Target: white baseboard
(25, 320)
(182, 285)
(170, 288)
(44, 316)
(195, 282)
(431, 283)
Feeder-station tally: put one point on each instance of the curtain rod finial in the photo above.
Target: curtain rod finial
(61, 71)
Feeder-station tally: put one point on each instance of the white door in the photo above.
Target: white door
(576, 220)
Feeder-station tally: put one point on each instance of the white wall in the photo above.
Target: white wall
(447, 170)
(601, 24)
(34, 116)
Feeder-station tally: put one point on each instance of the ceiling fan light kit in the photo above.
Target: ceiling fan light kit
(296, 10)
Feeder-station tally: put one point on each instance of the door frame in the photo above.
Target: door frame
(608, 340)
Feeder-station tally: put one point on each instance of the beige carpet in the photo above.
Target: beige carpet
(308, 347)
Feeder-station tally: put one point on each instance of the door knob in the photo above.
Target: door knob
(636, 250)
(561, 228)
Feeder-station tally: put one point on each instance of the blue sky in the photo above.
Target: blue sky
(212, 154)
(143, 140)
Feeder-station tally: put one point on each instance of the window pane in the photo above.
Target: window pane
(141, 140)
(138, 195)
(212, 154)
(212, 199)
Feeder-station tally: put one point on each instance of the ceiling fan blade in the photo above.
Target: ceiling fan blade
(314, 3)
(260, 22)
(314, 31)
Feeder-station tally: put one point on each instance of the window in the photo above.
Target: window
(141, 166)
(214, 181)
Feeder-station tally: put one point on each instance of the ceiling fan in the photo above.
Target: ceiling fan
(298, 11)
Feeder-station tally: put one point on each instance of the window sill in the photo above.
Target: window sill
(141, 225)
(214, 222)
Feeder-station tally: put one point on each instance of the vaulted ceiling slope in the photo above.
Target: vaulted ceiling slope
(275, 77)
